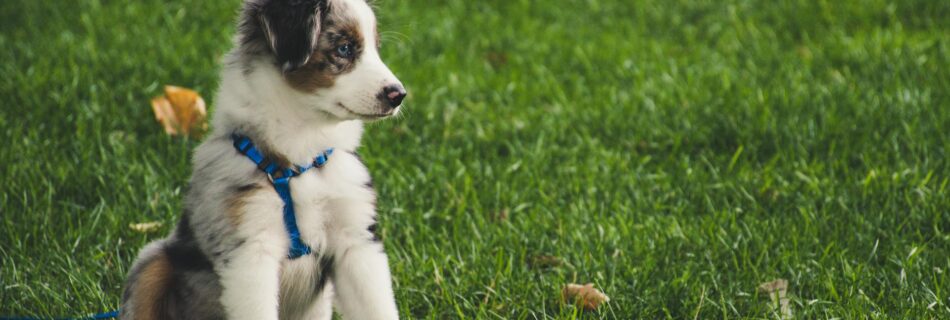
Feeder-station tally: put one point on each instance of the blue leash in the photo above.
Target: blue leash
(282, 185)
(98, 316)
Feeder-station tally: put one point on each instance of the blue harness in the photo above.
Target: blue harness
(280, 178)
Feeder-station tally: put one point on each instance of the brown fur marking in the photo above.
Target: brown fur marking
(234, 205)
(275, 157)
(151, 288)
(325, 65)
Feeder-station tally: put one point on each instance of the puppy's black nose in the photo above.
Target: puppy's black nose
(393, 94)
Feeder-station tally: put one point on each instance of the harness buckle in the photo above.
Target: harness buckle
(285, 173)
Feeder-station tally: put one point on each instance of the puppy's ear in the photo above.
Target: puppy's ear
(291, 28)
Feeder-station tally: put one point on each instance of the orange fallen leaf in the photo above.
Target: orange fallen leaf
(181, 111)
(584, 295)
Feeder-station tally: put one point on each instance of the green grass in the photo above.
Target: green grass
(675, 153)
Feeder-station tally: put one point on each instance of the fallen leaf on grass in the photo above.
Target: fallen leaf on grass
(776, 290)
(181, 111)
(584, 295)
(145, 227)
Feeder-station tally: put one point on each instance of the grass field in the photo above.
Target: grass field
(674, 153)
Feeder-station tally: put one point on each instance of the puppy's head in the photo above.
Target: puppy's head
(327, 52)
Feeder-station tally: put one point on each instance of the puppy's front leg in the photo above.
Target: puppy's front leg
(251, 282)
(363, 284)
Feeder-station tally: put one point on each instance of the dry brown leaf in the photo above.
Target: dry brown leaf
(776, 291)
(189, 107)
(584, 295)
(181, 111)
(146, 227)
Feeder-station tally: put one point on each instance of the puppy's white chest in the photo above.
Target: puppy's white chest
(333, 199)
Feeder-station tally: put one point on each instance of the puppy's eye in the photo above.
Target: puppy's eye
(345, 51)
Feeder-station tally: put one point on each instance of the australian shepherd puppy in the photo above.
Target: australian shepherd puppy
(302, 78)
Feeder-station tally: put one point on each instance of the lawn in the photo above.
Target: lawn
(674, 153)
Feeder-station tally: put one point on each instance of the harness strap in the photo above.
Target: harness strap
(282, 185)
(297, 247)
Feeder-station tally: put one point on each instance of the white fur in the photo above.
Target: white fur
(357, 90)
(333, 206)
